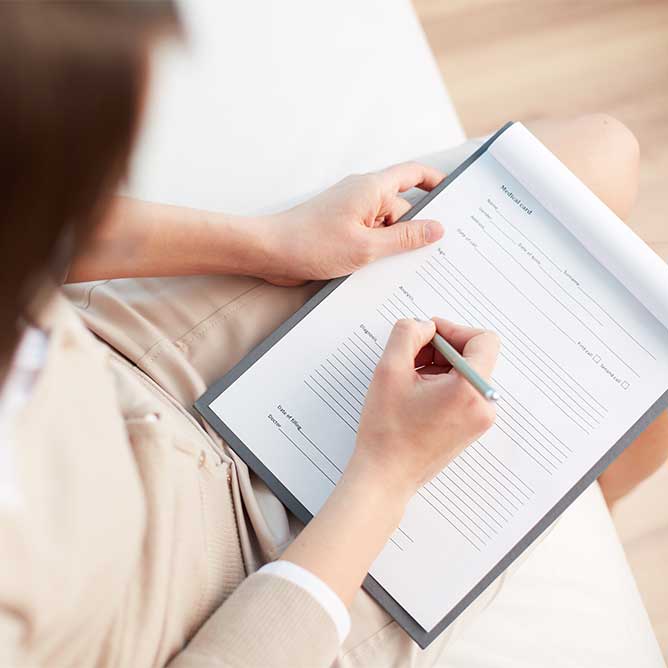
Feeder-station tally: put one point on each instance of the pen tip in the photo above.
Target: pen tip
(493, 395)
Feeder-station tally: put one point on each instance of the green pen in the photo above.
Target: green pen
(464, 368)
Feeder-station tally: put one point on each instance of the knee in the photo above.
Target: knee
(606, 156)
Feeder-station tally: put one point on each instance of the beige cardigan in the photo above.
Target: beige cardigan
(126, 548)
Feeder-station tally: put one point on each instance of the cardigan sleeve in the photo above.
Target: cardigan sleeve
(320, 590)
(269, 622)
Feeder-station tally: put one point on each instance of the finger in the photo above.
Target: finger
(406, 340)
(478, 347)
(481, 352)
(406, 235)
(455, 334)
(407, 175)
(395, 209)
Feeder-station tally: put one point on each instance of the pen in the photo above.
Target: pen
(464, 368)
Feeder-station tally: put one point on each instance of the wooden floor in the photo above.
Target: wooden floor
(521, 59)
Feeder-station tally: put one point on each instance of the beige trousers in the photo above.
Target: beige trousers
(187, 332)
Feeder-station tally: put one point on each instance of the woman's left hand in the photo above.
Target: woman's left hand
(349, 225)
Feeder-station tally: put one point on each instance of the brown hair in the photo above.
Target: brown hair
(72, 76)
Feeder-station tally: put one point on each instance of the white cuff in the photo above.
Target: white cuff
(317, 588)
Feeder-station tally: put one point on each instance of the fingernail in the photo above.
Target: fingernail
(432, 231)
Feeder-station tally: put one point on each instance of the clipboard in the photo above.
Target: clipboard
(420, 635)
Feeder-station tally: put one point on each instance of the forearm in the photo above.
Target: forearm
(145, 239)
(345, 537)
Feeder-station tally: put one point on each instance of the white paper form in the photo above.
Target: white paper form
(581, 361)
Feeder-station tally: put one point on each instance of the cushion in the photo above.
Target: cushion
(572, 602)
(271, 100)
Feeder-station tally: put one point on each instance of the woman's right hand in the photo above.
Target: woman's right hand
(419, 413)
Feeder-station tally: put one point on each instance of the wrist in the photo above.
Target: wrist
(387, 484)
(238, 244)
(345, 537)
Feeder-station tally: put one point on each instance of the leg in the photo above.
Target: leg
(601, 151)
(185, 332)
(604, 154)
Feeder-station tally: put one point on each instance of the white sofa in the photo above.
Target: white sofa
(272, 100)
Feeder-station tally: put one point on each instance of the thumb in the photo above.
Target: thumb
(407, 235)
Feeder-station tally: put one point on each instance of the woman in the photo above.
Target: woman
(131, 535)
